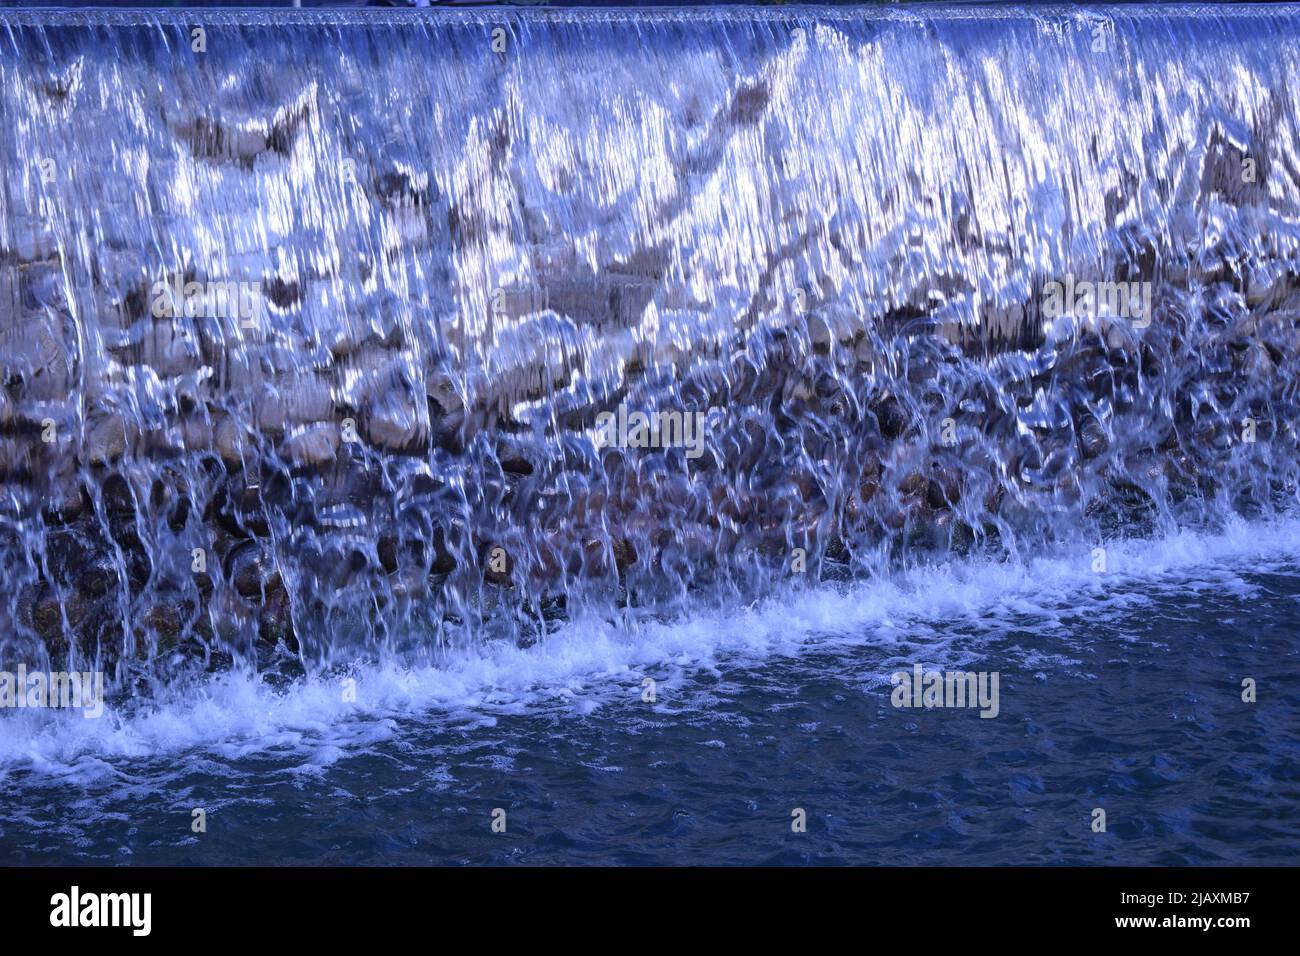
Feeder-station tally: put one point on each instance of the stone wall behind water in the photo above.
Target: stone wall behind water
(307, 321)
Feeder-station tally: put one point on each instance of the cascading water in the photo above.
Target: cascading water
(308, 321)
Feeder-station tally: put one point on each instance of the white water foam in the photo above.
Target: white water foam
(927, 614)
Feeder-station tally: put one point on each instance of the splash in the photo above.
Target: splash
(313, 325)
(947, 615)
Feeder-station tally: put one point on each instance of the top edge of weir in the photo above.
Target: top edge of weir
(470, 15)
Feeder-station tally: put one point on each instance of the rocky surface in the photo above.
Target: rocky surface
(458, 268)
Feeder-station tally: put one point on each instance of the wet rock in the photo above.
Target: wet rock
(223, 137)
(165, 620)
(624, 552)
(232, 441)
(1267, 284)
(240, 510)
(395, 554)
(98, 576)
(444, 560)
(251, 571)
(171, 347)
(891, 416)
(1092, 438)
(55, 618)
(16, 460)
(118, 497)
(270, 416)
(1256, 361)
(394, 407)
(308, 401)
(282, 293)
(514, 463)
(105, 440)
(941, 496)
(315, 445)
(448, 427)
(275, 620)
(402, 186)
(33, 353)
(196, 433)
(395, 426)
(914, 485)
(67, 500)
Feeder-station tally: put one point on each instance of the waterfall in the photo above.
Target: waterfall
(328, 333)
